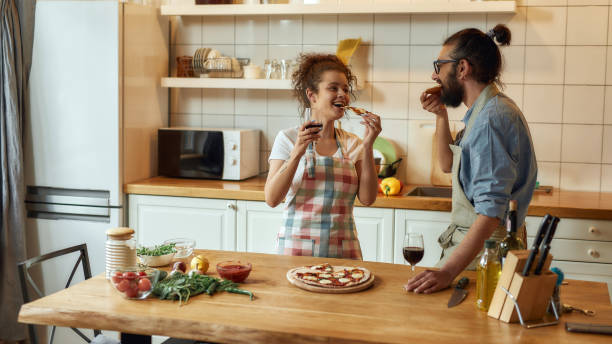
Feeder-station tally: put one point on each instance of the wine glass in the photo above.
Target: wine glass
(413, 248)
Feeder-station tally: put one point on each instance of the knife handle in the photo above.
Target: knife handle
(463, 282)
(550, 233)
(536, 243)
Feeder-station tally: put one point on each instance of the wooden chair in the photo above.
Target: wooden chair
(26, 280)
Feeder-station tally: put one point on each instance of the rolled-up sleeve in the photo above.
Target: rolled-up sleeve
(494, 165)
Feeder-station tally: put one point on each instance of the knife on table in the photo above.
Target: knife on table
(550, 233)
(536, 243)
(459, 293)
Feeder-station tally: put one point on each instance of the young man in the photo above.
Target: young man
(492, 160)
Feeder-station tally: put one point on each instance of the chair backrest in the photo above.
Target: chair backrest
(26, 280)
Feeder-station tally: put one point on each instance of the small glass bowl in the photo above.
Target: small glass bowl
(234, 271)
(184, 246)
(134, 284)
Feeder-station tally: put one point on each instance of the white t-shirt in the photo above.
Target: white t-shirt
(285, 140)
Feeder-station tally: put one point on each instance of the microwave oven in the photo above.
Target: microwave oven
(209, 153)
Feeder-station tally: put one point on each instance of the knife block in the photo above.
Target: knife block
(532, 293)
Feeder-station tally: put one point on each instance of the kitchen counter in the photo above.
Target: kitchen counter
(564, 204)
(282, 313)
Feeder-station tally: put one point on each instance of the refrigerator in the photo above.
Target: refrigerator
(95, 104)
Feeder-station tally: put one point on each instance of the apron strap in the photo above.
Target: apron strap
(487, 93)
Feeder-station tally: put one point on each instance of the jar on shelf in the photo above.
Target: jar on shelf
(120, 250)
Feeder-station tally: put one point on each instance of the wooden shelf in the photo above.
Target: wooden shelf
(267, 84)
(343, 7)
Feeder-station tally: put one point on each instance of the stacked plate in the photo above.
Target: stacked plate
(199, 58)
(120, 250)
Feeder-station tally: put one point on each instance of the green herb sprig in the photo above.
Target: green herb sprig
(157, 250)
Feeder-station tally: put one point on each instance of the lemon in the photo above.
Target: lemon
(199, 263)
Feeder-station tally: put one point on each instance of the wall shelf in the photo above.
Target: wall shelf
(342, 7)
(261, 84)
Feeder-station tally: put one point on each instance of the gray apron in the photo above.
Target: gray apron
(463, 214)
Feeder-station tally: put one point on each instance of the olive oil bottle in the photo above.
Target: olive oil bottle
(511, 241)
(488, 271)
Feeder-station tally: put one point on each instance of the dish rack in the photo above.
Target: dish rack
(220, 67)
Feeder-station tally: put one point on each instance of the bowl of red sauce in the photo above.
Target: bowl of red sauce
(234, 271)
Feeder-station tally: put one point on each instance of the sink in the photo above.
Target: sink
(430, 191)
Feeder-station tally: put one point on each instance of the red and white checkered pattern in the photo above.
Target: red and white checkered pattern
(319, 219)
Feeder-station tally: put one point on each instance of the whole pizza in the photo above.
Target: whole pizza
(329, 276)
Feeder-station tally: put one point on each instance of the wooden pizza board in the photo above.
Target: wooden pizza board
(314, 288)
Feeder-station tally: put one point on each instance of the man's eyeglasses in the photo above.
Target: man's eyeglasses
(438, 63)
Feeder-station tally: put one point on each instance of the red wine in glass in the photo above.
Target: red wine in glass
(413, 248)
(413, 255)
(314, 125)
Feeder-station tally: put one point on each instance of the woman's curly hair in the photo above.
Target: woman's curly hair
(308, 76)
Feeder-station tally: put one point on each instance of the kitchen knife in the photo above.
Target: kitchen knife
(550, 233)
(459, 293)
(536, 243)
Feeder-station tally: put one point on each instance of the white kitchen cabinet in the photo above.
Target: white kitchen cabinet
(428, 223)
(581, 248)
(211, 222)
(258, 225)
(375, 231)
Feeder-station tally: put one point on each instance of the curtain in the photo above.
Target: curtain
(16, 39)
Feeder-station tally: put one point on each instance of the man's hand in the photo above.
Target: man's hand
(429, 281)
(432, 103)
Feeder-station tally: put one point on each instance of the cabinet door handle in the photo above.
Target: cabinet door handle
(231, 206)
(593, 253)
(593, 230)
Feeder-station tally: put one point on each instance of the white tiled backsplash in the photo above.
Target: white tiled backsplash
(558, 69)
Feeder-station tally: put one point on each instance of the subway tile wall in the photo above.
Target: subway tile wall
(558, 69)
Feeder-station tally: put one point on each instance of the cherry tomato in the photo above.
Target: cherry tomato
(117, 278)
(144, 284)
(129, 275)
(142, 273)
(131, 292)
(123, 285)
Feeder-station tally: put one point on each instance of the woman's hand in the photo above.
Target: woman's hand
(432, 103)
(372, 126)
(304, 138)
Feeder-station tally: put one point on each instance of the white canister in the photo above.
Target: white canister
(120, 250)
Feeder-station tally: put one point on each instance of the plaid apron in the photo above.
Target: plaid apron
(319, 219)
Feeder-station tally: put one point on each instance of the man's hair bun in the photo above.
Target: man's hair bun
(501, 34)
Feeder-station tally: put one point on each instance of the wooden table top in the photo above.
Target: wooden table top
(565, 204)
(282, 313)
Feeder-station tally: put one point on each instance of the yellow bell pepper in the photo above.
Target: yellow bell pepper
(391, 186)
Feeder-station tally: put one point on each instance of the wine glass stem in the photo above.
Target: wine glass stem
(412, 267)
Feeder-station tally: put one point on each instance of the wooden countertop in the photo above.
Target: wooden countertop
(565, 204)
(282, 313)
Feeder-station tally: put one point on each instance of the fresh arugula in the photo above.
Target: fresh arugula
(157, 250)
(179, 286)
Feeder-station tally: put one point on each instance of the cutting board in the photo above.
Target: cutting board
(314, 288)
(437, 176)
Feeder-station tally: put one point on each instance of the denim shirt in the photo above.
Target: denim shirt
(498, 162)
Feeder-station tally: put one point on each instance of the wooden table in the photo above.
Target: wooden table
(282, 313)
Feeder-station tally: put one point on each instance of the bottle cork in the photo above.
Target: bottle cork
(513, 205)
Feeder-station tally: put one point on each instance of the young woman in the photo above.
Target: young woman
(318, 170)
